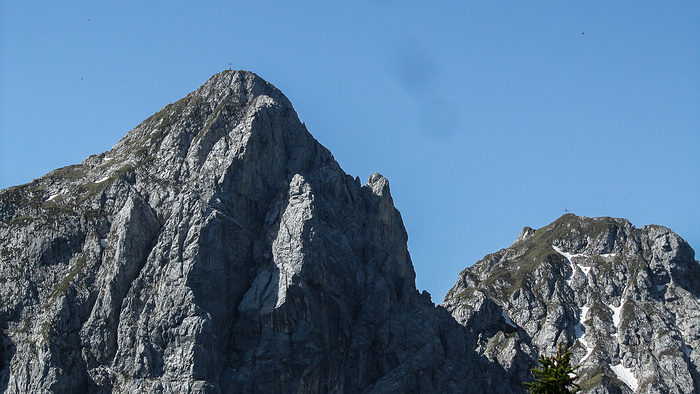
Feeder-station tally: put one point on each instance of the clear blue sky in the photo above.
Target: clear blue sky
(485, 116)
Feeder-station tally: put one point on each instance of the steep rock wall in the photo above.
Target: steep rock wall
(218, 248)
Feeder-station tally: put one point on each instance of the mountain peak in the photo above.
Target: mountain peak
(238, 87)
(218, 247)
(612, 292)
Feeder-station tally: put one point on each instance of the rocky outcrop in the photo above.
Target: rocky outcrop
(218, 248)
(624, 299)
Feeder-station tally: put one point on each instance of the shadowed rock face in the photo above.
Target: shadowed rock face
(219, 248)
(625, 300)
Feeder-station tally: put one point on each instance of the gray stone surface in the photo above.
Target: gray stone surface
(624, 299)
(219, 248)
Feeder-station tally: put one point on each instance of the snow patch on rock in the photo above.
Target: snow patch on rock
(580, 332)
(508, 320)
(616, 313)
(625, 375)
(570, 258)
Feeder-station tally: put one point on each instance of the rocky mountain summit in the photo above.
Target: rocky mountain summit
(625, 300)
(219, 248)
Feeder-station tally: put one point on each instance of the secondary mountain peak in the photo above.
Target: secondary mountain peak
(625, 299)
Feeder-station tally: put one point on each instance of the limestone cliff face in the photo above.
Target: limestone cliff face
(625, 300)
(218, 248)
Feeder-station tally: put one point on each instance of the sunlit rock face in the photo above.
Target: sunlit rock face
(624, 299)
(219, 248)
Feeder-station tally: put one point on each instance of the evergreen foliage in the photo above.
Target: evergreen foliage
(554, 375)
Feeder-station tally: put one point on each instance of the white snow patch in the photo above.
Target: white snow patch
(582, 318)
(608, 255)
(507, 319)
(616, 313)
(568, 256)
(660, 287)
(103, 242)
(618, 310)
(102, 179)
(626, 375)
(51, 197)
(574, 265)
(589, 350)
(580, 332)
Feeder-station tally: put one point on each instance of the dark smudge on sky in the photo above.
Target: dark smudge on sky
(419, 72)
